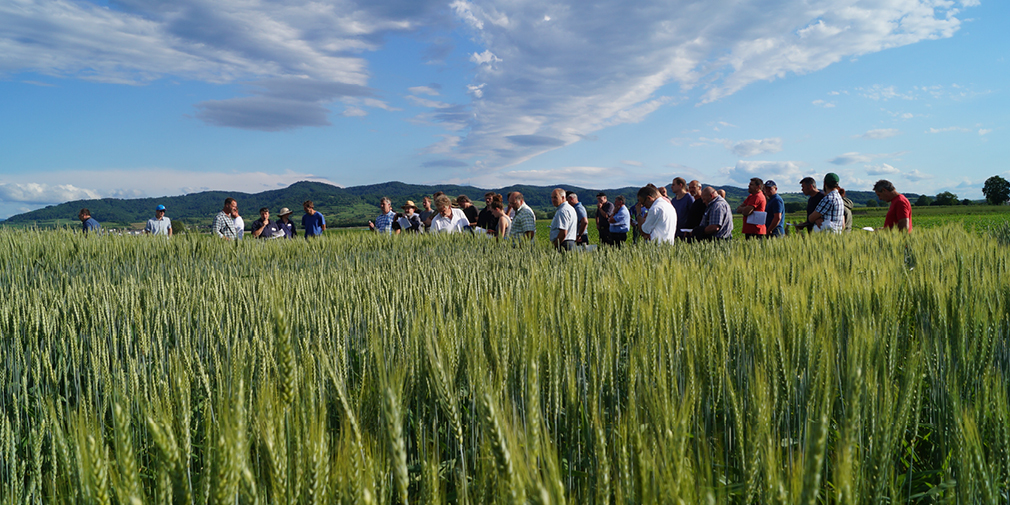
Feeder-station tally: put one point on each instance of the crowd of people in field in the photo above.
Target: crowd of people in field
(688, 213)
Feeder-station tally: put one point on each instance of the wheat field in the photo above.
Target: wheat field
(866, 368)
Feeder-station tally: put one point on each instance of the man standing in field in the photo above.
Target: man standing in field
(384, 222)
(809, 187)
(87, 222)
(899, 214)
(486, 219)
(620, 223)
(830, 213)
(313, 222)
(681, 201)
(427, 213)
(564, 226)
(224, 222)
(717, 223)
(776, 209)
(524, 224)
(604, 210)
(581, 235)
(264, 227)
(755, 202)
(159, 224)
(660, 223)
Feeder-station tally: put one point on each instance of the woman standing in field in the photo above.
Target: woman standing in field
(504, 222)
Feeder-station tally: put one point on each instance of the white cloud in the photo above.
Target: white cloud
(948, 129)
(778, 170)
(883, 133)
(423, 90)
(984, 131)
(62, 186)
(916, 176)
(882, 169)
(485, 58)
(632, 163)
(748, 148)
(32, 192)
(823, 104)
(856, 157)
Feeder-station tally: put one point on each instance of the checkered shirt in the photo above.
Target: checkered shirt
(384, 223)
(832, 208)
(524, 221)
(224, 226)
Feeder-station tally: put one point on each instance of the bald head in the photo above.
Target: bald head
(709, 193)
(558, 197)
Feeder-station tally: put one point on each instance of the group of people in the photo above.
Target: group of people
(689, 213)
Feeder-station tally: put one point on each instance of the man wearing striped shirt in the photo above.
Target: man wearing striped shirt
(384, 222)
(830, 212)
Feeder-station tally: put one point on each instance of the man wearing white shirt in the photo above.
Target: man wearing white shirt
(661, 223)
(564, 226)
(446, 219)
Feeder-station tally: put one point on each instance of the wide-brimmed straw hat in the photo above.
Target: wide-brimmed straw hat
(410, 203)
(284, 211)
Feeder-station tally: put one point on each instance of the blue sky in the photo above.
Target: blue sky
(132, 98)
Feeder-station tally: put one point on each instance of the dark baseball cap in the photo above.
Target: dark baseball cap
(771, 183)
(601, 194)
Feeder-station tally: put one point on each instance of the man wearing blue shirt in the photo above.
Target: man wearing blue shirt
(776, 209)
(313, 222)
(620, 223)
(87, 222)
(581, 235)
(384, 223)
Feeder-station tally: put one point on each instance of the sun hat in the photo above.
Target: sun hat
(160, 207)
(410, 203)
(284, 211)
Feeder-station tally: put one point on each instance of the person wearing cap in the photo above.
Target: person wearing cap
(564, 225)
(265, 228)
(660, 223)
(384, 222)
(469, 210)
(159, 224)
(224, 221)
(604, 211)
(313, 221)
(410, 214)
(899, 214)
(755, 202)
(809, 187)
(88, 223)
(829, 216)
(524, 222)
(620, 223)
(776, 209)
(285, 224)
(717, 223)
(581, 235)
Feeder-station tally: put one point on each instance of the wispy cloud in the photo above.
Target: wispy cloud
(856, 157)
(744, 171)
(823, 104)
(883, 133)
(882, 169)
(949, 129)
(916, 176)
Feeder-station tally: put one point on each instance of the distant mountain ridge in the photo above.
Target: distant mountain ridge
(351, 206)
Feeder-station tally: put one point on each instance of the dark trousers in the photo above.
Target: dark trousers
(753, 235)
(618, 239)
(604, 236)
(567, 245)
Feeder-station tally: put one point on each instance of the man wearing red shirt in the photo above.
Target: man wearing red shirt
(754, 203)
(899, 215)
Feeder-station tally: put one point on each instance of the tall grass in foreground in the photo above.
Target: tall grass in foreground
(845, 369)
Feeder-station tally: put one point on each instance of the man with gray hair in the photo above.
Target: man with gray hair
(384, 223)
(717, 223)
(524, 221)
(564, 226)
(899, 214)
(582, 236)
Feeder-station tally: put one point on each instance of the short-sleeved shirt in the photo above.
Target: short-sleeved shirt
(239, 227)
(776, 206)
(564, 219)
(900, 209)
(158, 226)
(608, 209)
(90, 224)
(661, 222)
(471, 214)
(832, 209)
(717, 212)
(814, 201)
(756, 200)
(580, 214)
(270, 230)
(683, 208)
(313, 224)
(224, 225)
(456, 223)
(425, 214)
(525, 220)
(487, 220)
(623, 220)
(288, 228)
(384, 222)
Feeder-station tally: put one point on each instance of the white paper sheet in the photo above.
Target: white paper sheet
(404, 223)
(757, 218)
